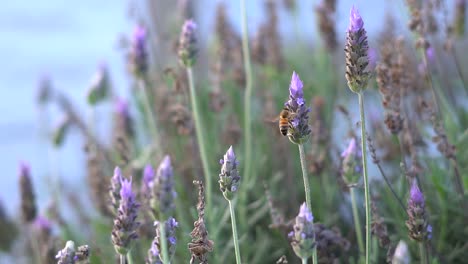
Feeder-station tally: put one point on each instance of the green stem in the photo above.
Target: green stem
(122, 259)
(357, 224)
(234, 232)
(365, 175)
(307, 191)
(423, 253)
(304, 260)
(304, 175)
(200, 139)
(129, 257)
(163, 240)
(151, 118)
(248, 93)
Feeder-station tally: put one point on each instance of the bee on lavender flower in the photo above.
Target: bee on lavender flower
(284, 123)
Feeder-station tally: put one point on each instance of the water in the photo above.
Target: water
(67, 41)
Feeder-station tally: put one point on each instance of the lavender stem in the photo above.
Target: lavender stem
(307, 192)
(200, 139)
(365, 175)
(423, 253)
(357, 224)
(149, 112)
(234, 232)
(165, 252)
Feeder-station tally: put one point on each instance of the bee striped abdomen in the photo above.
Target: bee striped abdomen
(284, 121)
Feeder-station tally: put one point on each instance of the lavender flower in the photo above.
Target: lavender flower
(99, 88)
(402, 254)
(125, 224)
(138, 61)
(303, 235)
(162, 190)
(67, 254)
(229, 177)
(42, 225)
(154, 253)
(114, 192)
(187, 50)
(418, 227)
(123, 119)
(351, 164)
(299, 129)
(28, 199)
(356, 53)
(148, 177)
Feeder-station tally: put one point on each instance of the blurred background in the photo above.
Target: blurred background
(67, 42)
(65, 46)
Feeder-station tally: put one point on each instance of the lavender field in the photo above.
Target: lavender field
(234, 132)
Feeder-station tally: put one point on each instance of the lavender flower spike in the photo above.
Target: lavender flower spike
(299, 130)
(125, 224)
(148, 178)
(229, 177)
(114, 192)
(138, 59)
(67, 254)
(154, 253)
(356, 50)
(163, 191)
(352, 163)
(303, 235)
(187, 44)
(418, 227)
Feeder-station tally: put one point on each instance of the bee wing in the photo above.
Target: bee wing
(271, 119)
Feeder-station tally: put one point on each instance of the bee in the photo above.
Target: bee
(284, 121)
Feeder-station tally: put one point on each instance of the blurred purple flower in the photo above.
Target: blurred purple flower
(125, 224)
(355, 20)
(229, 177)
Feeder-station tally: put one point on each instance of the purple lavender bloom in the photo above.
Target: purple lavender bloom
(67, 254)
(355, 20)
(416, 196)
(299, 129)
(123, 121)
(305, 213)
(356, 49)
(138, 52)
(154, 253)
(148, 178)
(229, 177)
(351, 163)
(187, 42)
(418, 227)
(296, 94)
(125, 224)
(163, 191)
(430, 54)
(114, 192)
(42, 224)
(28, 198)
(121, 107)
(303, 236)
